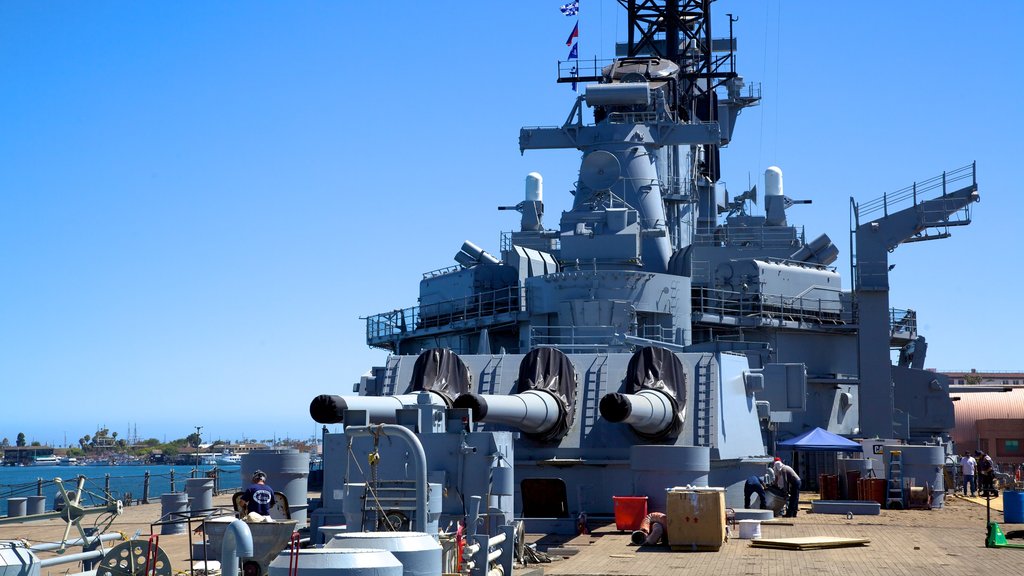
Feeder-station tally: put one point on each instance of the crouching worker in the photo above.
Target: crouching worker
(787, 479)
(259, 497)
(754, 485)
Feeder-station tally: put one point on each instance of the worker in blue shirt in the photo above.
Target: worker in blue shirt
(754, 485)
(259, 497)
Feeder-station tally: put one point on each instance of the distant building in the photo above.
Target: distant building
(25, 455)
(974, 377)
(990, 420)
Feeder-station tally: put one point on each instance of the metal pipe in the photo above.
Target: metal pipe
(499, 539)
(237, 544)
(470, 549)
(474, 516)
(493, 555)
(648, 411)
(330, 409)
(76, 542)
(68, 558)
(532, 411)
(419, 460)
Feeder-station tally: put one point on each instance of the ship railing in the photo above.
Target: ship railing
(581, 70)
(918, 191)
(902, 321)
(442, 271)
(678, 188)
(578, 339)
(506, 241)
(728, 303)
(633, 118)
(595, 339)
(753, 236)
(401, 322)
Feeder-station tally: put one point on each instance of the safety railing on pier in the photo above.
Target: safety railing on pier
(100, 490)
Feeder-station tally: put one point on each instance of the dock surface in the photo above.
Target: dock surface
(949, 541)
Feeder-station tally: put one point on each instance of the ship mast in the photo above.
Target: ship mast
(680, 31)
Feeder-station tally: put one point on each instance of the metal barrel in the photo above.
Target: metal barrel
(330, 409)
(16, 507)
(533, 411)
(36, 505)
(173, 506)
(200, 492)
(647, 411)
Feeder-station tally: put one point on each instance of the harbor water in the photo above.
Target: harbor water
(21, 482)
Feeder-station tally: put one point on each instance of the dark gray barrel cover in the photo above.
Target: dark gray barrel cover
(550, 370)
(655, 368)
(442, 371)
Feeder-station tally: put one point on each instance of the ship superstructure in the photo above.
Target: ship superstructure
(660, 334)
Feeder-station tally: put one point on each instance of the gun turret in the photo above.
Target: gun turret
(649, 412)
(543, 405)
(655, 404)
(535, 412)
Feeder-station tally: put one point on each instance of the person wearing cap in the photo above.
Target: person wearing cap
(259, 497)
(787, 479)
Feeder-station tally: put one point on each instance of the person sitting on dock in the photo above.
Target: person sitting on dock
(754, 485)
(259, 497)
(787, 479)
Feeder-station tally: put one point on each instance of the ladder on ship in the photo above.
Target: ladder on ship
(894, 496)
(704, 400)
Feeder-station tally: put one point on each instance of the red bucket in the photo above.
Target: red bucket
(630, 511)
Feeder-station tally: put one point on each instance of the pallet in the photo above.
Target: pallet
(808, 543)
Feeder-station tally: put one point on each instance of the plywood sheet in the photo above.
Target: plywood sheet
(808, 543)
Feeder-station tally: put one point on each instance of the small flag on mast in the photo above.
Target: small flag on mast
(570, 9)
(575, 34)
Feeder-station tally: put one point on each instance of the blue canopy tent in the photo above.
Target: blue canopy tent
(820, 440)
(817, 440)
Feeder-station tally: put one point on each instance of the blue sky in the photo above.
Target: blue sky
(198, 203)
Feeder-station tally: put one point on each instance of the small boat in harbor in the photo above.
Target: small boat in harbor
(49, 460)
(228, 458)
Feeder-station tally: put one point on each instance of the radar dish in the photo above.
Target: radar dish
(600, 170)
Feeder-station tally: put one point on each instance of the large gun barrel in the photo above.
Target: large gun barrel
(330, 409)
(649, 412)
(533, 411)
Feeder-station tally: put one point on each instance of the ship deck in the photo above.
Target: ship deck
(949, 541)
(936, 542)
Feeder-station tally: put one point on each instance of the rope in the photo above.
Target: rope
(370, 488)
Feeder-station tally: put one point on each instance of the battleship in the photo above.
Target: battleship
(659, 334)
